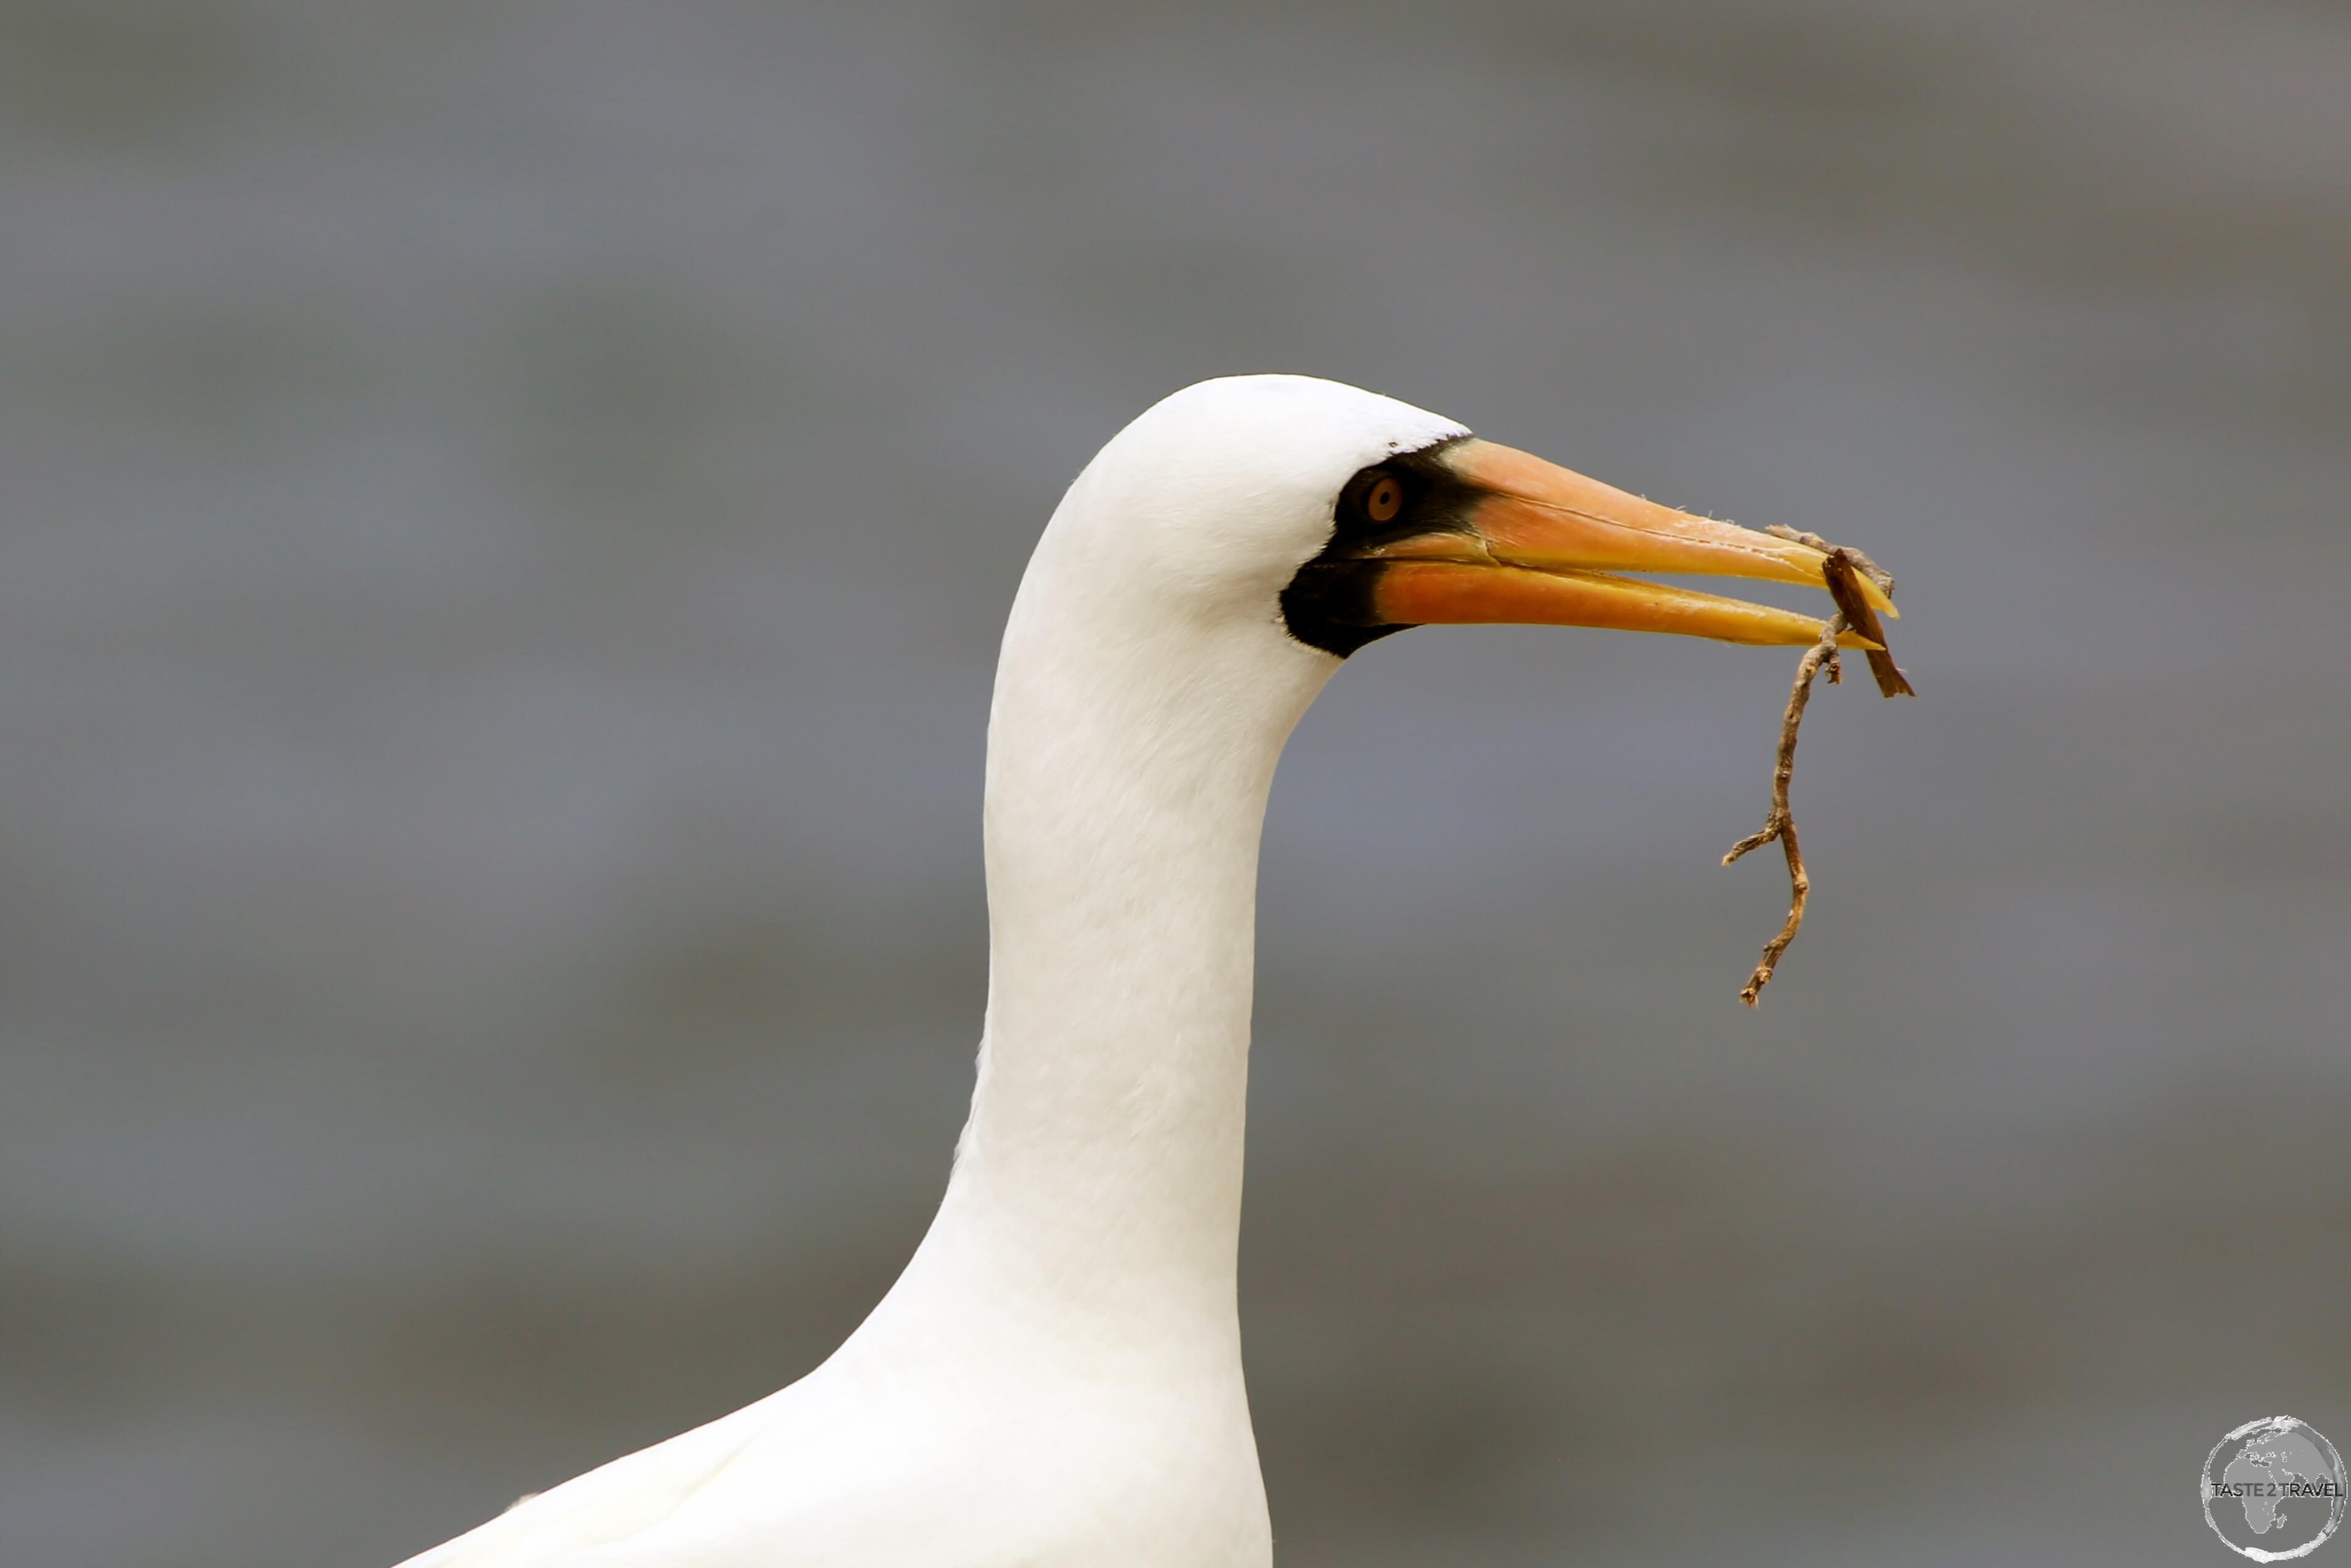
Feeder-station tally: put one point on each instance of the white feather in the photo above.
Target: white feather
(1055, 1377)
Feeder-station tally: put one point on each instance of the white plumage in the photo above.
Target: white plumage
(1056, 1378)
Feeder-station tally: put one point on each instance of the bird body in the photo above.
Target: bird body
(1055, 1379)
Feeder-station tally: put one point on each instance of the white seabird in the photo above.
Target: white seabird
(1055, 1380)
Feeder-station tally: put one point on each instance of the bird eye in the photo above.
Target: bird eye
(1383, 500)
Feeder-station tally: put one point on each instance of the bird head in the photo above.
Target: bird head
(1342, 516)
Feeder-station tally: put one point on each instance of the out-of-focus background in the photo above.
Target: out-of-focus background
(505, 515)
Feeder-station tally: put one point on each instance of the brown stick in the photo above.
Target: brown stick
(1782, 823)
(1854, 612)
(1838, 569)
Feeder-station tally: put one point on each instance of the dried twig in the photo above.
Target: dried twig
(1781, 824)
(1842, 562)
(1854, 613)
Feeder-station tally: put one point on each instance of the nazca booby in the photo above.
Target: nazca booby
(1055, 1380)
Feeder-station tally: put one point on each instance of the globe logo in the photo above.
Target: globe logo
(2273, 1490)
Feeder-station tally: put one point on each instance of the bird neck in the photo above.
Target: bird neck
(1129, 762)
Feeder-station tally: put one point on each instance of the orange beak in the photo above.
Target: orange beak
(1538, 542)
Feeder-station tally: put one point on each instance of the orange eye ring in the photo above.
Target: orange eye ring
(1383, 500)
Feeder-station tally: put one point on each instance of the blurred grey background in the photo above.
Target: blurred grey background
(505, 515)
